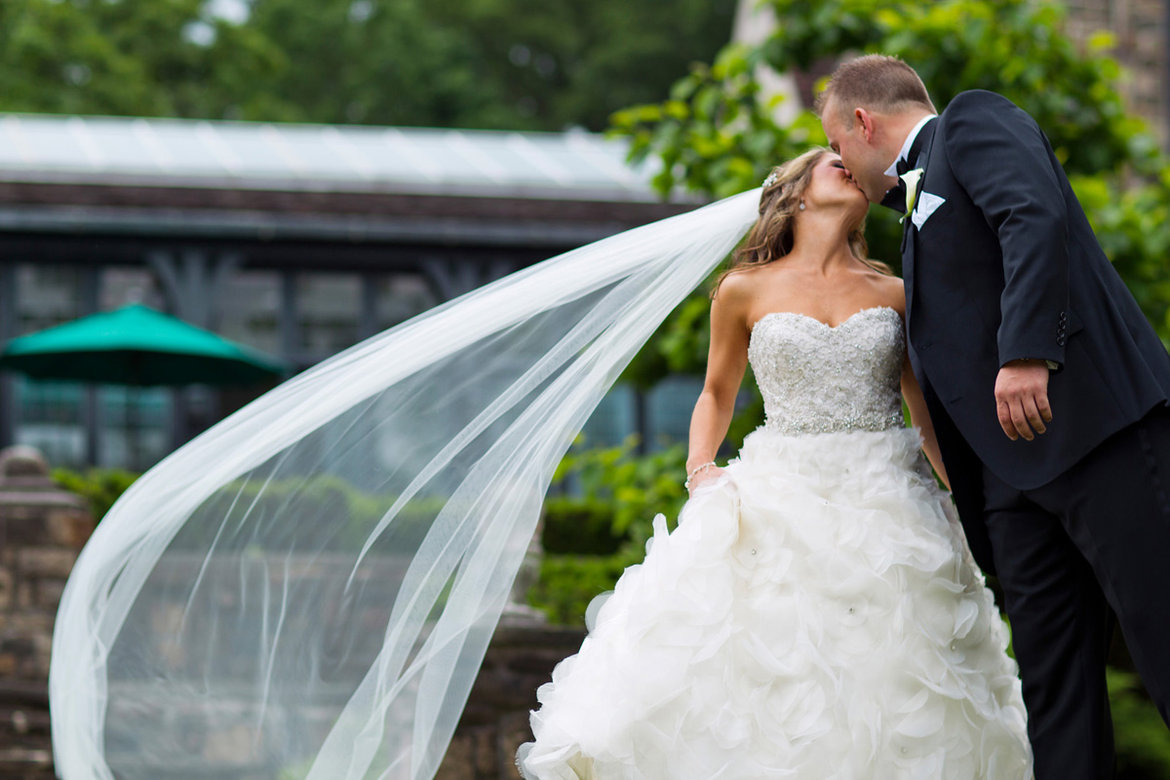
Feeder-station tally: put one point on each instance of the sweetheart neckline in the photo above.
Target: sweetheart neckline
(823, 324)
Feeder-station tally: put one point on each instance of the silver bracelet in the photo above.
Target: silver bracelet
(691, 474)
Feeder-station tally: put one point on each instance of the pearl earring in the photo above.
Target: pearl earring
(802, 205)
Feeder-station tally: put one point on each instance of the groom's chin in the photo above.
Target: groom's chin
(873, 192)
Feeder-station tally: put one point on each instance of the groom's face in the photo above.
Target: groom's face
(856, 143)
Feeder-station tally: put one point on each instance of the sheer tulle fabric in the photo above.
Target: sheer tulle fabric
(307, 589)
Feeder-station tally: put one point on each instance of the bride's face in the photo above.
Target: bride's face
(832, 187)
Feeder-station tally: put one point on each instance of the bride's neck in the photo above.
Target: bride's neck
(821, 241)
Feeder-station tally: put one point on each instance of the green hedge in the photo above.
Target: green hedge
(576, 526)
(342, 514)
(569, 582)
(99, 487)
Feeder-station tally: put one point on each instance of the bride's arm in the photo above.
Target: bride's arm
(726, 363)
(912, 393)
(920, 418)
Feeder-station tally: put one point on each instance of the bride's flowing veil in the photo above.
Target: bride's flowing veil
(307, 589)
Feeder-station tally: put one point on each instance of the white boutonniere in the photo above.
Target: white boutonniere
(910, 179)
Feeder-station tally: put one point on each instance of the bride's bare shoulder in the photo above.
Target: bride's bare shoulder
(891, 290)
(738, 295)
(736, 286)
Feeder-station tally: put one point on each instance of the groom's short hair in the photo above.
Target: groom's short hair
(877, 82)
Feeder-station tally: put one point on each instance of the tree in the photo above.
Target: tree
(162, 58)
(565, 63)
(363, 62)
(506, 64)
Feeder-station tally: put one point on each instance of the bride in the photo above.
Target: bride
(816, 613)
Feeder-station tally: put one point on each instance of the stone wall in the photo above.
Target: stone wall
(495, 722)
(1139, 30)
(220, 733)
(42, 530)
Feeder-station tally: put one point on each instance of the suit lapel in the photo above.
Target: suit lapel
(908, 268)
(919, 157)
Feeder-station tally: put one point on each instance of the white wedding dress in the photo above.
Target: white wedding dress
(815, 615)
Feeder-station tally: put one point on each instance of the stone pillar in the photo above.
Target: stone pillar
(42, 530)
(9, 325)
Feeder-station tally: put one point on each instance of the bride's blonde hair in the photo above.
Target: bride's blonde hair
(773, 235)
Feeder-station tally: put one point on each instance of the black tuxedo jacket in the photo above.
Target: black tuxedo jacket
(1007, 267)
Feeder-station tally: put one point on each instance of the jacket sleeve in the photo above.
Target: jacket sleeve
(1001, 158)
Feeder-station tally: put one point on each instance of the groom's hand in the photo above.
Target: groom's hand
(1021, 398)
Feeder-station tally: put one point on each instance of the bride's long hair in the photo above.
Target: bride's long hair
(773, 235)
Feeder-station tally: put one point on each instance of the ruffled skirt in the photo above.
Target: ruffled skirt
(816, 614)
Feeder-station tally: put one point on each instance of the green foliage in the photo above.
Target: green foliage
(515, 64)
(680, 344)
(559, 63)
(617, 495)
(341, 514)
(1132, 222)
(99, 487)
(1143, 745)
(716, 133)
(385, 63)
(162, 58)
(579, 526)
(569, 582)
(634, 488)
(1014, 47)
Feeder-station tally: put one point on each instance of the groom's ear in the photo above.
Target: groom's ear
(864, 120)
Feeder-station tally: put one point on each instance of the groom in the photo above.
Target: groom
(1047, 387)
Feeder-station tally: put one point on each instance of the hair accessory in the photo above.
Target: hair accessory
(773, 177)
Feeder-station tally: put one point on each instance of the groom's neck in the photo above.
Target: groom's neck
(902, 123)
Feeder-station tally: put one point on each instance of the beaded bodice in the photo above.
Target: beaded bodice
(821, 379)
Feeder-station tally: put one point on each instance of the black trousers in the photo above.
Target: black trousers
(1089, 550)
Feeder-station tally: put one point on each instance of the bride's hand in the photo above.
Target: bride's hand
(707, 474)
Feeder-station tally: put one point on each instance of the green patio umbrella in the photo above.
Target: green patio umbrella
(136, 345)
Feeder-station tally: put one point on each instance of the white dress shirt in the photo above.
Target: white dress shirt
(905, 153)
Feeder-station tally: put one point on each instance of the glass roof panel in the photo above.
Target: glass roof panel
(174, 152)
